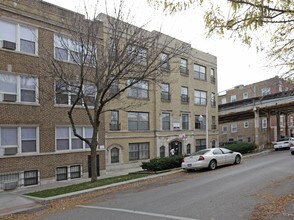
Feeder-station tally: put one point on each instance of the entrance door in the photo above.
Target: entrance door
(89, 166)
(176, 146)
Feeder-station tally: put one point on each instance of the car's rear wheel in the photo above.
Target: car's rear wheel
(238, 159)
(212, 165)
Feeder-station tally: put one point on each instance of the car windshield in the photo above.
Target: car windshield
(201, 152)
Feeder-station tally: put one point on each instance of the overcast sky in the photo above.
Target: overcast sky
(237, 64)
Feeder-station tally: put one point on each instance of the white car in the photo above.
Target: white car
(292, 150)
(284, 143)
(211, 158)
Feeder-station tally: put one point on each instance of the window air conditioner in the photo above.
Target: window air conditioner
(10, 185)
(10, 150)
(8, 45)
(9, 98)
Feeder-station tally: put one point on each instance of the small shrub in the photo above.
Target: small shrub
(163, 163)
(243, 148)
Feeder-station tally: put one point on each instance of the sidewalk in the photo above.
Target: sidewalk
(16, 201)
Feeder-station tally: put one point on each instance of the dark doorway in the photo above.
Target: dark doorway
(89, 166)
(176, 146)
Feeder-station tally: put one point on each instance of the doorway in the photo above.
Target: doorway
(176, 146)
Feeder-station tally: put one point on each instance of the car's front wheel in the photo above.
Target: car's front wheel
(212, 165)
(238, 159)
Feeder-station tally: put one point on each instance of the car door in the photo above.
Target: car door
(229, 155)
(219, 156)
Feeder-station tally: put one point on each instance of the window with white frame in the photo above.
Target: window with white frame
(18, 88)
(184, 94)
(224, 100)
(224, 129)
(67, 94)
(245, 95)
(265, 91)
(66, 49)
(18, 37)
(199, 72)
(234, 128)
(66, 140)
(246, 124)
(233, 98)
(281, 120)
(200, 97)
(138, 55)
(25, 140)
(165, 117)
(184, 66)
(165, 91)
(240, 138)
(138, 90)
(138, 121)
(164, 61)
(138, 151)
(185, 121)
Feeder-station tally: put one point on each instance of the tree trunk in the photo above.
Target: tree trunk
(93, 163)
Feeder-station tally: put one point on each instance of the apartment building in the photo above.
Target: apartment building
(243, 130)
(37, 144)
(171, 113)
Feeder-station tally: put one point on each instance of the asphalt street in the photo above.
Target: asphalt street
(232, 192)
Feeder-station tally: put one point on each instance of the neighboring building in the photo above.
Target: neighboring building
(36, 141)
(242, 129)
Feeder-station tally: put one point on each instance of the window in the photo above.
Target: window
(114, 89)
(184, 66)
(224, 129)
(114, 152)
(138, 151)
(61, 173)
(66, 140)
(184, 94)
(75, 171)
(31, 178)
(199, 72)
(246, 124)
(23, 38)
(213, 122)
(200, 144)
(240, 138)
(213, 102)
(114, 121)
(165, 91)
(137, 55)
(185, 122)
(264, 122)
(138, 121)
(200, 121)
(233, 98)
(188, 148)
(245, 95)
(265, 91)
(217, 152)
(18, 88)
(213, 143)
(24, 139)
(212, 75)
(224, 100)
(249, 139)
(200, 97)
(164, 61)
(138, 90)
(234, 128)
(165, 121)
(67, 94)
(281, 120)
(162, 151)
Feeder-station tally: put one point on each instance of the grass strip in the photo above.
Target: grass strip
(86, 185)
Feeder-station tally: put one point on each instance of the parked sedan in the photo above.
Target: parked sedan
(211, 158)
(292, 150)
(284, 143)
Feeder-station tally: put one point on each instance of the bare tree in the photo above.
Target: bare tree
(106, 57)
